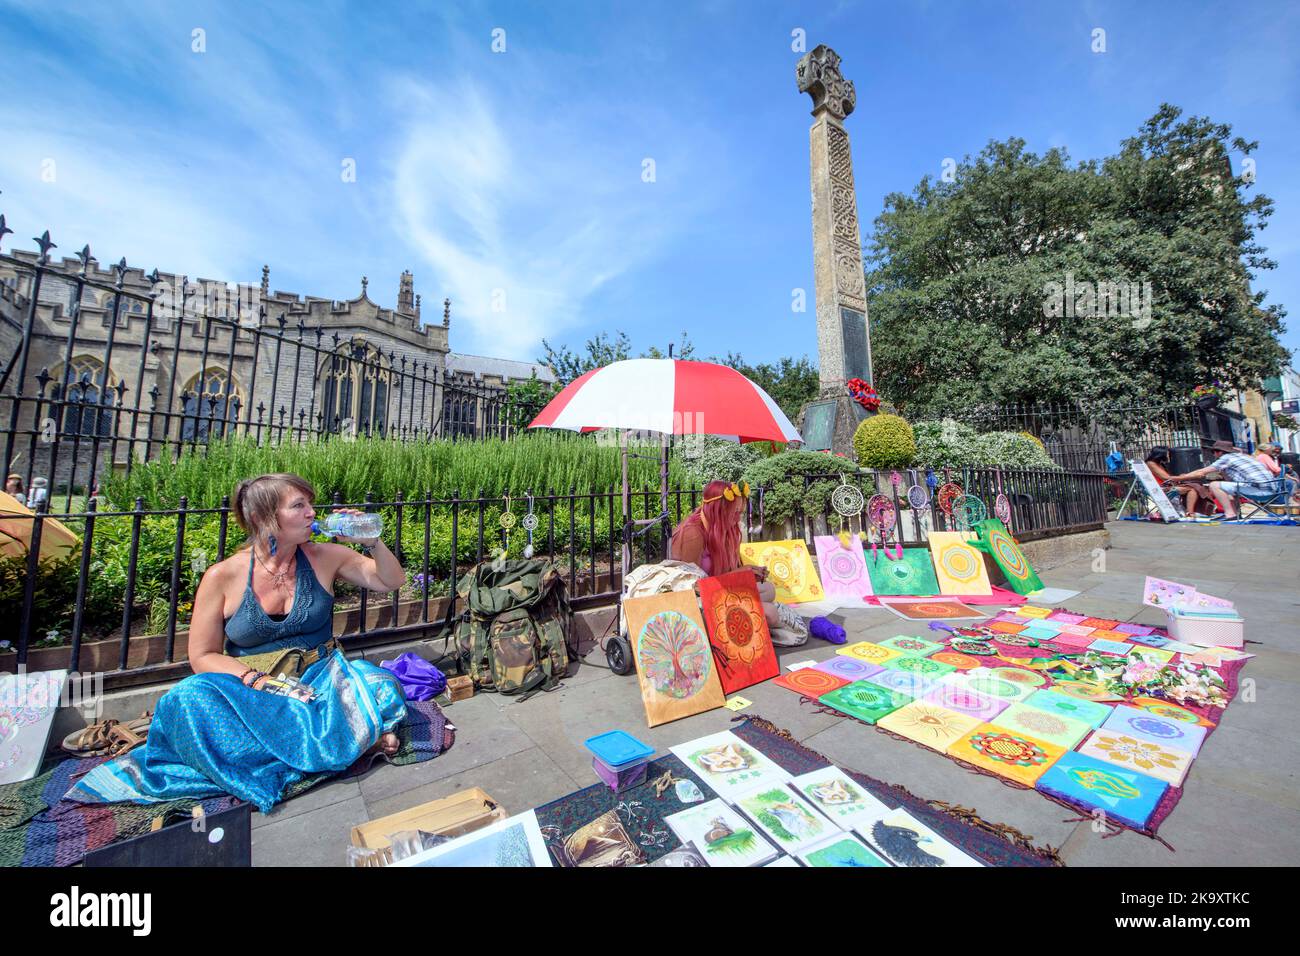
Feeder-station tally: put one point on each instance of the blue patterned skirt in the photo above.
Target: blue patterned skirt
(212, 735)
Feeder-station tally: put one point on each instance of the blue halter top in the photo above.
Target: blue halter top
(309, 623)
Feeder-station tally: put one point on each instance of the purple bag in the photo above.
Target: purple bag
(827, 630)
(420, 679)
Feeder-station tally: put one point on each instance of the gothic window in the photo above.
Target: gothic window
(459, 415)
(88, 398)
(355, 384)
(210, 406)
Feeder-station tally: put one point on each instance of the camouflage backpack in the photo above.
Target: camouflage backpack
(512, 634)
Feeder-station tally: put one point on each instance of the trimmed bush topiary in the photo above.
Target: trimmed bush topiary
(885, 441)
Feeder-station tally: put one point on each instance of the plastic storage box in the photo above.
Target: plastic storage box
(619, 759)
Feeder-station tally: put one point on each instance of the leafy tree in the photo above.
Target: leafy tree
(790, 382)
(977, 286)
(526, 397)
(600, 351)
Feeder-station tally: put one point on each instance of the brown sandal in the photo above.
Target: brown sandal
(109, 735)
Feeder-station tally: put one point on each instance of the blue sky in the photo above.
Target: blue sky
(513, 181)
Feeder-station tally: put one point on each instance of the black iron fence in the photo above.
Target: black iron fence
(1080, 435)
(116, 598)
(106, 368)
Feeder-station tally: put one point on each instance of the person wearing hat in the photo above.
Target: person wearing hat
(1269, 455)
(14, 488)
(1242, 475)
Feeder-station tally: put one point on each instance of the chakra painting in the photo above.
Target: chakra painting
(963, 662)
(1028, 610)
(1018, 675)
(738, 630)
(865, 701)
(787, 818)
(1006, 627)
(911, 646)
(1171, 711)
(843, 800)
(1006, 554)
(911, 574)
(923, 666)
(913, 685)
(674, 662)
(962, 699)
(722, 835)
(958, 566)
(985, 682)
(906, 841)
(929, 724)
(1091, 713)
(1016, 756)
(789, 568)
(728, 764)
(850, 668)
(868, 652)
(1049, 725)
(1125, 795)
(810, 682)
(843, 570)
(1143, 724)
(843, 850)
(1144, 756)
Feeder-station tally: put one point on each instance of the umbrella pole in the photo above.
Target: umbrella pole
(627, 510)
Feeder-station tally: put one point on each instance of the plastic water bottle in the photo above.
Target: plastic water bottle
(343, 525)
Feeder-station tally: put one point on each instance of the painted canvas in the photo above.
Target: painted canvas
(963, 662)
(1125, 795)
(674, 660)
(1132, 753)
(986, 682)
(1164, 708)
(955, 696)
(850, 668)
(1016, 756)
(930, 609)
(789, 568)
(602, 842)
(810, 682)
(723, 836)
(911, 574)
(1134, 630)
(843, 569)
(911, 646)
(515, 841)
(843, 850)
(929, 724)
(1090, 712)
(1054, 727)
(840, 798)
(958, 566)
(728, 764)
(1073, 641)
(906, 841)
(1066, 617)
(786, 818)
(1019, 675)
(913, 685)
(28, 704)
(923, 666)
(1145, 725)
(1028, 610)
(742, 644)
(1041, 631)
(1006, 627)
(1006, 554)
(1104, 623)
(865, 701)
(868, 652)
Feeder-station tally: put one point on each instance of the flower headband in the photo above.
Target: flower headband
(731, 492)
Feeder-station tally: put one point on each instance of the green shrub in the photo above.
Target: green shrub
(884, 441)
(953, 444)
(705, 458)
(783, 476)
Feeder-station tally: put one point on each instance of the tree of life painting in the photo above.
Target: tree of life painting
(674, 661)
(738, 630)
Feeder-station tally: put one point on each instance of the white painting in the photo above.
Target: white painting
(842, 800)
(515, 841)
(722, 835)
(905, 841)
(28, 703)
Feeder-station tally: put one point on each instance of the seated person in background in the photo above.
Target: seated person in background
(1193, 492)
(1242, 475)
(1268, 456)
(710, 537)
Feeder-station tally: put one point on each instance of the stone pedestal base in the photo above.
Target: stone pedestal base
(829, 423)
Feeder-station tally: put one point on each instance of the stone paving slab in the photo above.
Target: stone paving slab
(1240, 804)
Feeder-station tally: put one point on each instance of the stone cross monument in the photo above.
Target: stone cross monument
(843, 342)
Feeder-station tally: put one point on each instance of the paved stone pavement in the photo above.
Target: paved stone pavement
(1241, 803)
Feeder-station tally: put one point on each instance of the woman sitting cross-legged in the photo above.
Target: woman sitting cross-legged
(234, 727)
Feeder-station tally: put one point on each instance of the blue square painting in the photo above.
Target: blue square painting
(1125, 795)
(850, 668)
(1089, 711)
(1177, 734)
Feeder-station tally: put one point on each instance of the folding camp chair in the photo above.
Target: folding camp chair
(1269, 507)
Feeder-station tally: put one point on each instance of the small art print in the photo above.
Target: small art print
(930, 609)
(788, 819)
(728, 764)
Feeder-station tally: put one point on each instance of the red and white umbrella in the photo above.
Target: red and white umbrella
(671, 396)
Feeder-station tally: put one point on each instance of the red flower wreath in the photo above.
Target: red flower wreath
(863, 394)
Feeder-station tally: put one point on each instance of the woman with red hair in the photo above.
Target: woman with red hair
(710, 537)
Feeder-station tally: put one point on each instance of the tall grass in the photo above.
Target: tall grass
(536, 461)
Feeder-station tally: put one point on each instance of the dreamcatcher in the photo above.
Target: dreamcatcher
(530, 525)
(1002, 509)
(918, 495)
(946, 495)
(883, 515)
(847, 500)
(966, 510)
(506, 521)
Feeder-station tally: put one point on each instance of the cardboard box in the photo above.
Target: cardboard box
(460, 688)
(451, 816)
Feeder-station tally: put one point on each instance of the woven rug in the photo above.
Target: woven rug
(39, 828)
(642, 812)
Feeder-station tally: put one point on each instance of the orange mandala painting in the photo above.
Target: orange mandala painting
(737, 630)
